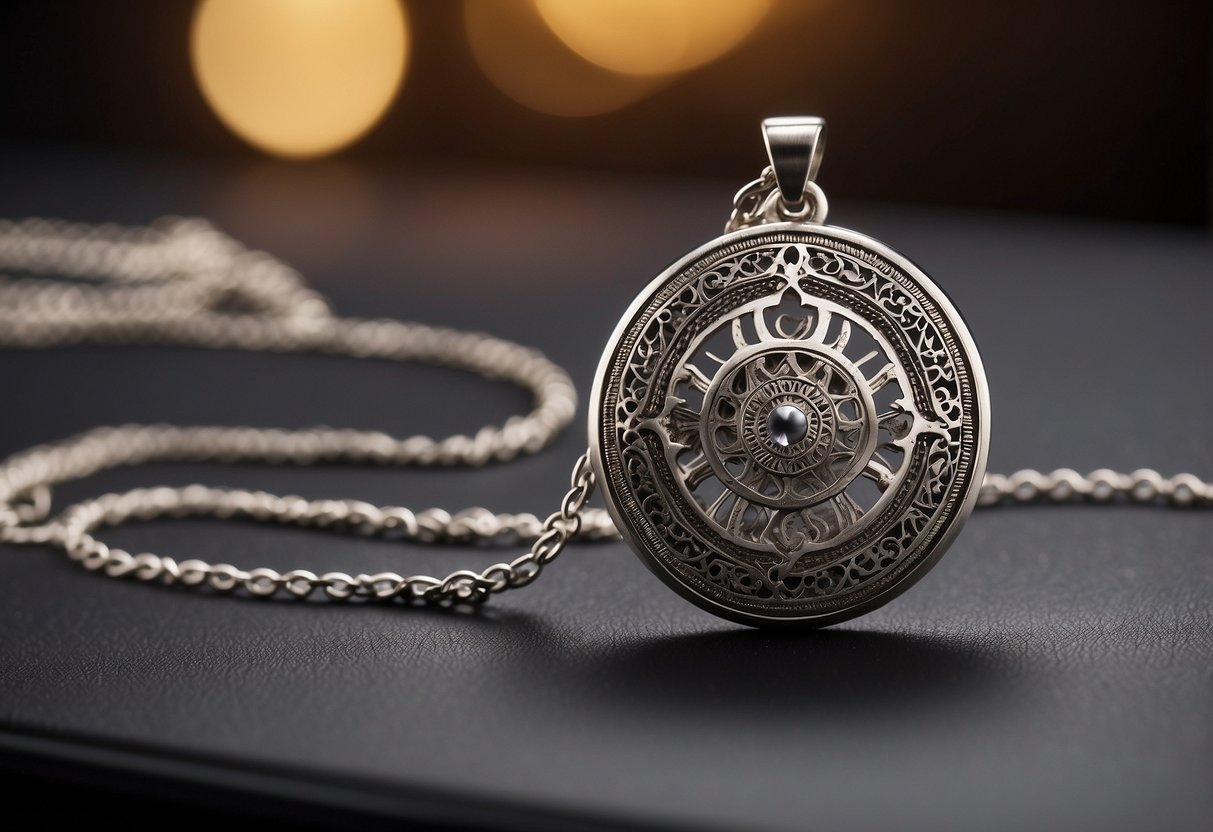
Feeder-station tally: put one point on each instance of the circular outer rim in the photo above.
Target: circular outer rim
(955, 522)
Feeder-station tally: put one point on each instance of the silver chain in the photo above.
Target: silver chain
(1143, 486)
(760, 202)
(183, 283)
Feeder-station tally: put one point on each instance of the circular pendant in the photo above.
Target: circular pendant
(790, 424)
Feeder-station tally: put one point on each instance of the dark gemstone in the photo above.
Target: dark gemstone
(787, 425)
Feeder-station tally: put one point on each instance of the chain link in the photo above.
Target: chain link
(761, 202)
(183, 283)
(74, 529)
(1143, 486)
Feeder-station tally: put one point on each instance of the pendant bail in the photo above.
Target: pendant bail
(795, 145)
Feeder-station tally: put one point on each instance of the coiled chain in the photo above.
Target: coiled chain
(183, 283)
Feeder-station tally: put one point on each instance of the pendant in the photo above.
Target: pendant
(790, 424)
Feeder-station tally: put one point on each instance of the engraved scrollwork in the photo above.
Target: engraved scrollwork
(787, 423)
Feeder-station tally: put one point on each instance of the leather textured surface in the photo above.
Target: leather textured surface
(1055, 670)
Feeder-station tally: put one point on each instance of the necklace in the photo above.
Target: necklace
(789, 425)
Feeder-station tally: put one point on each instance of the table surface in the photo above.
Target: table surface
(1055, 670)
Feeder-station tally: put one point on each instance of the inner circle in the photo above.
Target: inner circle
(747, 452)
(787, 425)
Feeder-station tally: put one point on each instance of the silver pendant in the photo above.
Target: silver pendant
(790, 424)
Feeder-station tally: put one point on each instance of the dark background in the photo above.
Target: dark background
(1055, 671)
(1091, 107)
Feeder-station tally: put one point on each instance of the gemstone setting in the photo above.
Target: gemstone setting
(787, 425)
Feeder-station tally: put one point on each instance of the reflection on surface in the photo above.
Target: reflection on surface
(316, 212)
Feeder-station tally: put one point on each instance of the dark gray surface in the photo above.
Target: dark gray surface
(1054, 671)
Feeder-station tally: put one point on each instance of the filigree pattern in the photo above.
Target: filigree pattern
(857, 354)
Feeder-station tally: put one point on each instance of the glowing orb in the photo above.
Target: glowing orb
(524, 60)
(652, 37)
(299, 78)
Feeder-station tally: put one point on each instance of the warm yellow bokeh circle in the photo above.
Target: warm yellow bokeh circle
(299, 78)
(521, 57)
(652, 37)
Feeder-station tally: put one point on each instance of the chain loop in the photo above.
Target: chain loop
(183, 283)
(80, 521)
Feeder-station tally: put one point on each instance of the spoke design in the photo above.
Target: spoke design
(810, 360)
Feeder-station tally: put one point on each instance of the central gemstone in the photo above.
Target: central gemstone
(787, 425)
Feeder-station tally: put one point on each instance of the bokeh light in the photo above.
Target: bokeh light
(299, 78)
(524, 60)
(652, 37)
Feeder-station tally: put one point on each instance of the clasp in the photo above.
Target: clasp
(795, 145)
(786, 191)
